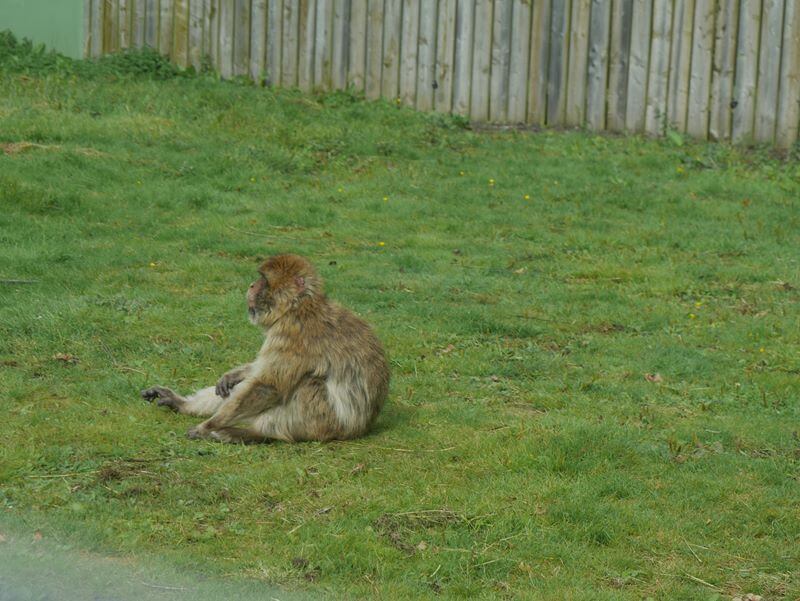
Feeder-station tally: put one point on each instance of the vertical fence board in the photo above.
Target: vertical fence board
(140, 23)
(462, 61)
(409, 39)
(769, 70)
(113, 21)
(501, 60)
(481, 61)
(91, 33)
(357, 61)
(639, 65)
(619, 56)
(109, 25)
(700, 78)
(289, 52)
(518, 61)
(258, 40)
(559, 62)
(87, 28)
(196, 16)
(274, 53)
(180, 32)
(375, 42)
(578, 62)
(744, 87)
(597, 73)
(241, 37)
(165, 28)
(445, 55)
(789, 97)
(306, 34)
(719, 127)
(213, 26)
(150, 24)
(426, 54)
(323, 45)
(680, 63)
(658, 76)
(124, 24)
(226, 28)
(390, 76)
(96, 43)
(137, 23)
(538, 62)
(341, 42)
(206, 25)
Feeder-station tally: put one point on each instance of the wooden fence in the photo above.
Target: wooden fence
(718, 69)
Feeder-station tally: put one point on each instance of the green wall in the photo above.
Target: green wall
(56, 23)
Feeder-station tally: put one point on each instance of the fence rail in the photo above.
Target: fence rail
(717, 69)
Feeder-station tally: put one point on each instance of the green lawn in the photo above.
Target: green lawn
(523, 284)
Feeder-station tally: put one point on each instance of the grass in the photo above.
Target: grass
(524, 285)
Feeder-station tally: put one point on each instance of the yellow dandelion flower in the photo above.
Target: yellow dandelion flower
(461, 173)
(152, 264)
(692, 316)
(698, 304)
(527, 197)
(385, 199)
(491, 181)
(381, 243)
(761, 350)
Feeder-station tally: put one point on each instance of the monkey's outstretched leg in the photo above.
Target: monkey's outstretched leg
(201, 403)
(247, 400)
(234, 435)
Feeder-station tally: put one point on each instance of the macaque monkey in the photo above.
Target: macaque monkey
(321, 373)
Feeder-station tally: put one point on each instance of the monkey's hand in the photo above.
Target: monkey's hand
(163, 397)
(228, 381)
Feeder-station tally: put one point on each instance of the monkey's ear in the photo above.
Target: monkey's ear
(300, 281)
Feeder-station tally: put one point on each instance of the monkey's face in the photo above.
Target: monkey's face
(285, 281)
(258, 304)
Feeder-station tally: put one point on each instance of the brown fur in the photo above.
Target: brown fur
(321, 373)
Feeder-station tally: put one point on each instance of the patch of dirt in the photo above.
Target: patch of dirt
(604, 327)
(400, 528)
(120, 469)
(11, 148)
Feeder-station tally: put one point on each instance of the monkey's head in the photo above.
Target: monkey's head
(285, 281)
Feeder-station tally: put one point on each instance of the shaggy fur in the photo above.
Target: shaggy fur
(321, 373)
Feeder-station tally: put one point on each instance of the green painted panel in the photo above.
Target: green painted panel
(56, 23)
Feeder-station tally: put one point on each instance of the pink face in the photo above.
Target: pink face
(253, 293)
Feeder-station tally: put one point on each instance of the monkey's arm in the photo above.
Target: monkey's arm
(230, 379)
(250, 399)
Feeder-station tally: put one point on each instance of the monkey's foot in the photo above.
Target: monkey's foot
(163, 397)
(198, 433)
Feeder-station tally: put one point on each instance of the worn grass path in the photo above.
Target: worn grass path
(525, 286)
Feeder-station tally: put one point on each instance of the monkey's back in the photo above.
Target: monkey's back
(357, 378)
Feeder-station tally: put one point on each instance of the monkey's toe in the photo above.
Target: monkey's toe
(150, 394)
(194, 434)
(163, 397)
